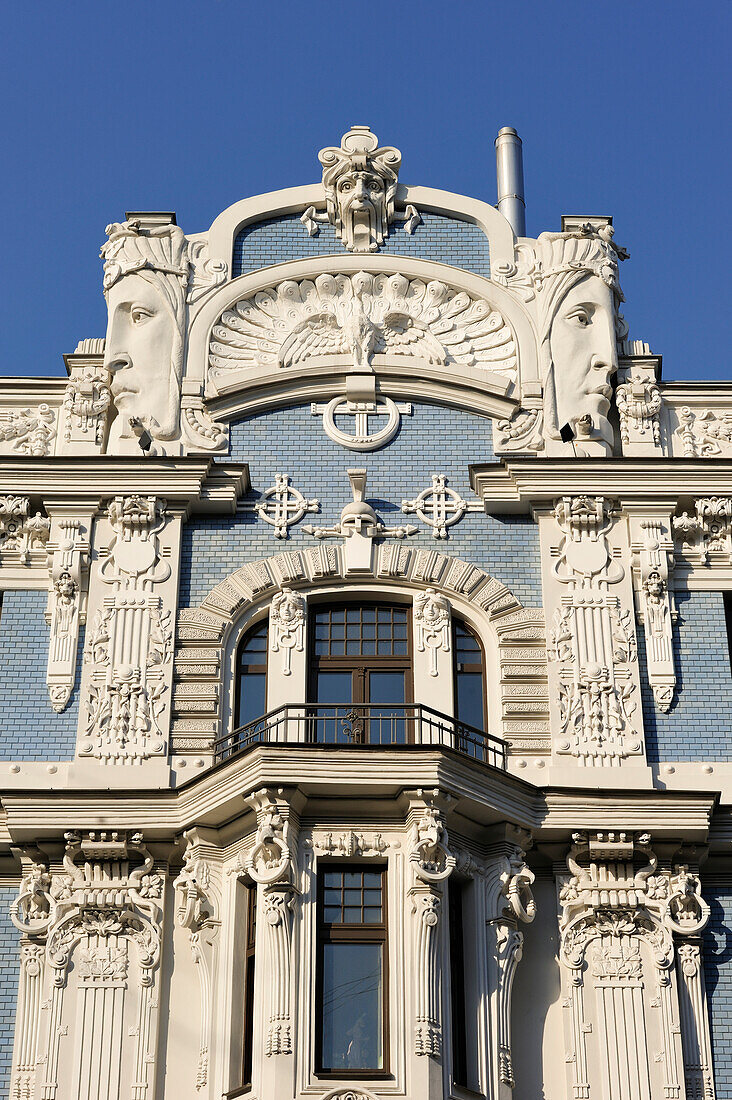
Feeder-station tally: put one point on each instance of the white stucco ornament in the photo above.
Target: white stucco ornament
(360, 182)
(282, 505)
(363, 437)
(361, 316)
(432, 618)
(287, 625)
(440, 507)
(150, 274)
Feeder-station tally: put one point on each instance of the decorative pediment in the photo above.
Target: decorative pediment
(360, 316)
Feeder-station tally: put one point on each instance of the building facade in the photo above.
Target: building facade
(365, 692)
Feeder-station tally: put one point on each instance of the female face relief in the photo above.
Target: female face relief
(141, 337)
(584, 354)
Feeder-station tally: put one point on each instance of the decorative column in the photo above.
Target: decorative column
(639, 402)
(594, 686)
(432, 863)
(126, 684)
(688, 916)
(198, 893)
(271, 863)
(92, 938)
(87, 406)
(29, 913)
(509, 901)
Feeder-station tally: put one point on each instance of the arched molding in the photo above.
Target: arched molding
(321, 377)
(294, 200)
(513, 636)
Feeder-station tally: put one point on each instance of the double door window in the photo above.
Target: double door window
(361, 672)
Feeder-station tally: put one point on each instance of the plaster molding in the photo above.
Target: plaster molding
(87, 922)
(360, 185)
(282, 506)
(654, 548)
(362, 438)
(295, 200)
(705, 538)
(704, 433)
(433, 621)
(249, 388)
(360, 315)
(519, 632)
(287, 625)
(639, 401)
(23, 537)
(87, 402)
(592, 646)
(28, 431)
(130, 643)
(197, 890)
(439, 507)
(618, 905)
(68, 561)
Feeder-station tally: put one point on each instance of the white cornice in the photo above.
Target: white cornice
(485, 796)
(193, 481)
(515, 485)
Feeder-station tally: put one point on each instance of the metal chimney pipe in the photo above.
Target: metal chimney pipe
(510, 176)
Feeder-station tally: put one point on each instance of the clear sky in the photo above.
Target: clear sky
(623, 108)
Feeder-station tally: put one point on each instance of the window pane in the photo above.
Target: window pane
(252, 701)
(335, 688)
(469, 698)
(386, 687)
(352, 1005)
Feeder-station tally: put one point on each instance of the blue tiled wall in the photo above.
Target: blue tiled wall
(9, 970)
(718, 977)
(444, 240)
(699, 725)
(29, 729)
(292, 441)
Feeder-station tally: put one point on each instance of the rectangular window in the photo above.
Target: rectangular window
(251, 918)
(352, 971)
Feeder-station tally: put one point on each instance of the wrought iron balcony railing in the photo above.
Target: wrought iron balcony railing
(360, 724)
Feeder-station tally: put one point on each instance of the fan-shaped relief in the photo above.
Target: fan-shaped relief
(362, 315)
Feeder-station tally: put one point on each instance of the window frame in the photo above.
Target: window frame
(260, 669)
(360, 665)
(351, 933)
(481, 667)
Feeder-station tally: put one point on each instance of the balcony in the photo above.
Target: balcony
(357, 725)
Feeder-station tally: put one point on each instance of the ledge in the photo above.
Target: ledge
(515, 484)
(196, 481)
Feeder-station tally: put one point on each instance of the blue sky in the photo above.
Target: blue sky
(623, 109)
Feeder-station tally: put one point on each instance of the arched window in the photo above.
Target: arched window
(251, 675)
(361, 668)
(469, 676)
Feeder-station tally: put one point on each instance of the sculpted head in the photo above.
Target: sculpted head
(360, 182)
(578, 294)
(146, 274)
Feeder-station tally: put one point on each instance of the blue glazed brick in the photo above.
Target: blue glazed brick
(718, 979)
(29, 728)
(9, 972)
(443, 240)
(699, 725)
(292, 441)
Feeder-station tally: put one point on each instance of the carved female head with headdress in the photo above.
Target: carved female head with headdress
(146, 272)
(575, 276)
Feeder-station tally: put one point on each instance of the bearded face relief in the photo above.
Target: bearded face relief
(361, 209)
(141, 338)
(145, 278)
(583, 351)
